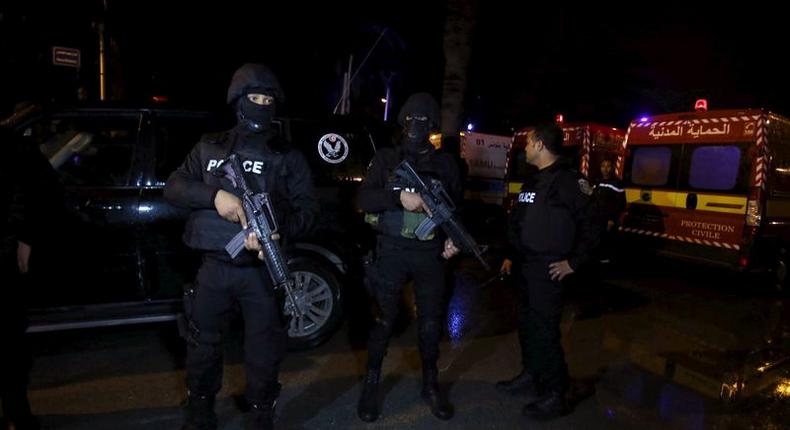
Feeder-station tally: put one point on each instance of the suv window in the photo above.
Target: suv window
(88, 151)
(175, 136)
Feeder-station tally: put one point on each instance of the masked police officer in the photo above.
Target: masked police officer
(553, 228)
(402, 256)
(217, 215)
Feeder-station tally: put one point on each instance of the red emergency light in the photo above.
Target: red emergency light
(701, 105)
(559, 118)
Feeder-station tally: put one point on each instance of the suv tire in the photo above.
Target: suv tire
(318, 292)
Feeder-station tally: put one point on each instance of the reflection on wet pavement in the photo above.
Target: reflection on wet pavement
(698, 356)
(693, 352)
(670, 347)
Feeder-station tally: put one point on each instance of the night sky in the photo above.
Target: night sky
(528, 63)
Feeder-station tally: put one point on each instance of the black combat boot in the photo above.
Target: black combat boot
(522, 384)
(551, 405)
(200, 413)
(440, 406)
(368, 406)
(261, 416)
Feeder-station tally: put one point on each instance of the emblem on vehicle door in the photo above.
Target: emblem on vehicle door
(333, 148)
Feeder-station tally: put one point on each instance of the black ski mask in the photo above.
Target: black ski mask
(416, 134)
(257, 118)
(254, 79)
(418, 116)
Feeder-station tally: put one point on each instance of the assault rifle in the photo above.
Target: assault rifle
(262, 222)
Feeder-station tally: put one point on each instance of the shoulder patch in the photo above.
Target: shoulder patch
(585, 187)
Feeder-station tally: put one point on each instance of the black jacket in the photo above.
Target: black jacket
(554, 217)
(285, 175)
(30, 193)
(609, 197)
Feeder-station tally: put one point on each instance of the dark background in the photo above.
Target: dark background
(529, 61)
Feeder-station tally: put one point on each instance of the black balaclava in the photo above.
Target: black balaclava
(418, 116)
(256, 118)
(254, 78)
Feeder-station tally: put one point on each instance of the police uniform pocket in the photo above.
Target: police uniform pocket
(411, 221)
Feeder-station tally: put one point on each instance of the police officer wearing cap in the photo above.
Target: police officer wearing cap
(552, 230)
(401, 256)
(217, 216)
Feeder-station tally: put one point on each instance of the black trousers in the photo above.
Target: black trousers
(539, 314)
(16, 359)
(396, 265)
(608, 246)
(221, 286)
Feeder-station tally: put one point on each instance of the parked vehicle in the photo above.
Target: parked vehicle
(712, 187)
(486, 156)
(116, 255)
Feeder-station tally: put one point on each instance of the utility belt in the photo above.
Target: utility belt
(387, 243)
(541, 258)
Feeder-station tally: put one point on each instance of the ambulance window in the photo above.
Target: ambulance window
(650, 166)
(715, 167)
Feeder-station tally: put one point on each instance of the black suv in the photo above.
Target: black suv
(116, 255)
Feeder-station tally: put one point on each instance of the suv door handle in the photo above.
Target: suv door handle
(102, 205)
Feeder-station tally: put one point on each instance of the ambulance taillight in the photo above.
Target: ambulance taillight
(754, 210)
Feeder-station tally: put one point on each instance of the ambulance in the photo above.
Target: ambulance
(587, 144)
(486, 158)
(711, 186)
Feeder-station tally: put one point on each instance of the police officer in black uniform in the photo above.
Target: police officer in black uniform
(30, 193)
(553, 230)
(217, 215)
(609, 197)
(401, 256)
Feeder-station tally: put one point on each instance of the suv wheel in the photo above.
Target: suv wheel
(318, 295)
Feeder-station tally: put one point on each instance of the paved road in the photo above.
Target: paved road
(647, 349)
